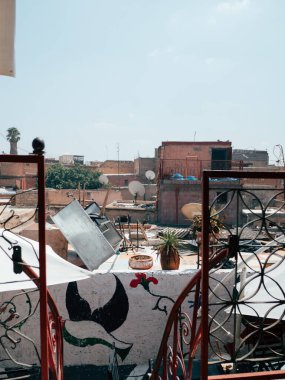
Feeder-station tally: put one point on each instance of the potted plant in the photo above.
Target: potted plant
(214, 227)
(168, 251)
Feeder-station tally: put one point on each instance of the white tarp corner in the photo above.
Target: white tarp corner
(7, 37)
(58, 270)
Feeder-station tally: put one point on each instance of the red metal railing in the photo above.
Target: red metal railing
(169, 363)
(54, 331)
(186, 334)
(206, 265)
(50, 323)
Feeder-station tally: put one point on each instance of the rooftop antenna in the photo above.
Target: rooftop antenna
(150, 175)
(118, 151)
(194, 136)
(136, 188)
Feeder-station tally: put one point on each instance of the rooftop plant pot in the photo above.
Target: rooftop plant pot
(141, 262)
(170, 261)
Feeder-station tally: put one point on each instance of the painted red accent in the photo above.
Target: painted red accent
(134, 283)
(153, 280)
(142, 277)
(47, 355)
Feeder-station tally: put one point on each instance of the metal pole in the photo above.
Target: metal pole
(42, 259)
(205, 276)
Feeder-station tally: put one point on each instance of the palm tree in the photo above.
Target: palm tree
(13, 136)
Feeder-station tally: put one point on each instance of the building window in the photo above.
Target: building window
(126, 182)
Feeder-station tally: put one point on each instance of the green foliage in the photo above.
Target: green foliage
(13, 135)
(170, 243)
(197, 224)
(61, 177)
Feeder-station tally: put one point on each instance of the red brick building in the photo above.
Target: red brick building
(180, 166)
(190, 158)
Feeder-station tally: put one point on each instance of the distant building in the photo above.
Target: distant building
(251, 158)
(78, 159)
(191, 158)
(117, 167)
(143, 164)
(180, 167)
(71, 159)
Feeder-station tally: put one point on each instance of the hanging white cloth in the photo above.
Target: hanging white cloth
(58, 270)
(7, 37)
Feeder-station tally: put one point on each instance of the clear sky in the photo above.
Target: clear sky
(97, 76)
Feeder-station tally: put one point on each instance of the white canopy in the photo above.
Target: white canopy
(58, 270)
(7, 37)
(263, 295)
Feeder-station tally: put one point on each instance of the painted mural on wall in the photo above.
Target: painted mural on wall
(144, 281)
(104, 320)
(15, 312)
(129, 309)
(87, 325)
(107, 319)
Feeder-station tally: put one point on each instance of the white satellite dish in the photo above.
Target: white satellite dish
(136, 188)
(150, 175)
(191, 209)
(103, 179)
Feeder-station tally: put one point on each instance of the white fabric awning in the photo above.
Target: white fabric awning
(58, 270)
(7, 37)
(264, 296)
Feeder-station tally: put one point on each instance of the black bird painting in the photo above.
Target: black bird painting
(96, 327)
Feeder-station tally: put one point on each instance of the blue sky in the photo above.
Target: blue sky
(92, 76)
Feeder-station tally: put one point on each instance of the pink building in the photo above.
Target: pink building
(180, 167)
(190, 158)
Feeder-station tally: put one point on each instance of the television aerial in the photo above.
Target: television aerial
(103, 179)
(150, 175)
(189, 210)
(136, 188)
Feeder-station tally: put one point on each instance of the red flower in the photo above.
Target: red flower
(152, 279)
(141, 279)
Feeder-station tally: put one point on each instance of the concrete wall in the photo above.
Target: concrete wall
(121, 179)
(19, 169)
(140, 214)
(141, 165)
(65, 196)
(115, 167)
(173, 195)
(54, 238)
(111, 307)
(22, 175)
(150, 193)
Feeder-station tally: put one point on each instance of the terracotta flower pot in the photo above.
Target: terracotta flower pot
(141, 262)
(170, 261)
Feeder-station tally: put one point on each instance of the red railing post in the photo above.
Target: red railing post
(205, 276)
(38, 149)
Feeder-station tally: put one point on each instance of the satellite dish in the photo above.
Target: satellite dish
(136, 188)
(150, 175)
(191, 209)
(103, 179)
